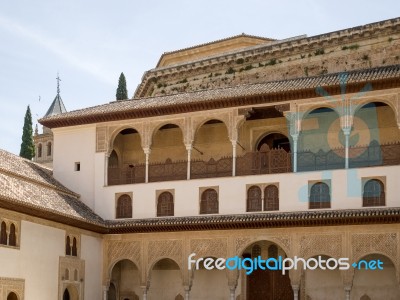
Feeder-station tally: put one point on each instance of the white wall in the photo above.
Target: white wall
(92, 254)
(346, 191)
(71, 145)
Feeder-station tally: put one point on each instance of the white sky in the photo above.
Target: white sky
(91, 42)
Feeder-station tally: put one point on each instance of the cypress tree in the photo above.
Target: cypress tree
(27, 146)
(122, 92)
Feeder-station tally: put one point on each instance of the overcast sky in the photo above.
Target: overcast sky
(91, 42)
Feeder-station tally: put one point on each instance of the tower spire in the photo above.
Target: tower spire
(58, 84)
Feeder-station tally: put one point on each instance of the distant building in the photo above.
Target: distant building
(244, 147)
(44, 143)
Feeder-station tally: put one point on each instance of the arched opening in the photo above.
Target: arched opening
(12, 239)
(165, 280)
(375, 137)
(66, 295)
(209, 284)
(254, 199)
(320, 196)
(273, 141)
(320, 282)
(3, 233)
(165, 205)
(74, 247)
(321, 141)
(66, 274)
(39, 150)
(265, 284)
(271, 198)
(374, 193)
(71, 293)
(125, 281)
(12, 296)
(126, 163)
(212, 151)
(168, 158)
(378, 283)
(68, 246)
(49, 150)
(75, 275)
(124, 207)
(209, 202)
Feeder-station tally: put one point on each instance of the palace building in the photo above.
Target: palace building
(244, 147)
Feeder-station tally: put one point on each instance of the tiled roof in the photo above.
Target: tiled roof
(259, 220)
(24, 184)
(145, 107)
(56, 107)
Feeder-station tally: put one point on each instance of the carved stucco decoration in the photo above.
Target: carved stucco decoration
(217, 247)
(369, 243)
(8, 285)
(165, 248)
(118, 250)
(327, 244)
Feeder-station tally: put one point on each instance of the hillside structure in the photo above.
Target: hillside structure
(245, 147)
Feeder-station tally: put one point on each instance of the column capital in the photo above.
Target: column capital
(189, 147)
(147, 150)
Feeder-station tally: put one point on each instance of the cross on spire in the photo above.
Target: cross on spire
(58, 84)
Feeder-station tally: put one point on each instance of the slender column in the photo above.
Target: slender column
(144, 289)
(189, 154)
(147, 153)
(106, 169)
(347, 293)
(295, 138)
(295, 288)
(234, 144)
(187, 292)
(346, 132)
(105, 290)
(232, 292)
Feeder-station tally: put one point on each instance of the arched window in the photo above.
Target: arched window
(68, 246)
(271, 198)
(39, 150)
(255, 251)
(12, 239)
(3, 234)
(374, 193)
(74, 247)
(66, 295)
(254, 199)
(66, 274)
(165, 205)
(124, 207)
(273, 251)
(12, 296)
(209, 202)
(49, 149)
(320, 196)
(76, 275)
(113, 160)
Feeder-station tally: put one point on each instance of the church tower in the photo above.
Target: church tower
(44, 142)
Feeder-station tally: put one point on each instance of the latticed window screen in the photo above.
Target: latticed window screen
(74, 247)
(374, 193)
(124, 207)
(273, 251)
(49, 149)
(209, 202)
(271, 198)
(255, 251)
(165, 205)
(254, 199)
(68, 246)
(320, 196)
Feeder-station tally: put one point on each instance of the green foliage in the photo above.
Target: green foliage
(351, 47)
(319, 51)
(122, 92)
(240, 61)
(230, 71)
(306, 71)
(365, 57)
(182, 81)
(390, 39)
(249, 67)
(27, 146)
(271, 62)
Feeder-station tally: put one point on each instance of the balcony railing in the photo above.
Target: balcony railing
(255, 163)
